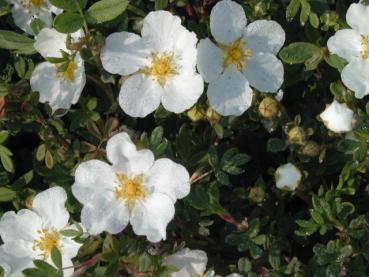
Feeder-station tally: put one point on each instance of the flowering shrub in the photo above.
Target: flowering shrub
(184, 138)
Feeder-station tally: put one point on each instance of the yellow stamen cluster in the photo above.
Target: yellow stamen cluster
(130, 189)
(47, 240)
(69, 72)
(162, 67)
(365, 45)
(32, 4)
(236, 53)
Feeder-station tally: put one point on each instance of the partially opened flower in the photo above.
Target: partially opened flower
(32, 234)
(353, 45)
(25, 11)
(287, 177)
(160, 66)
(135, 189)
(241, 57)
(338, 117)
(61, 81)
(191, 263)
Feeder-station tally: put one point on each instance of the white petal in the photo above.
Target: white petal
(231, 93)
(69, 247)
(49, 42)
(264, 36)
(234, 275)
(210, 60)
(21, 226)
(123, 155)
(337, 117)
(181, 92)
(21, 248)
(227, 21)
(264, 72)
(151, 216)
(169, 178)
(357, 17)
(50, 205)
(104, 213)
(68, 266)
(346, 44)
(140, 95)
(287, 177)
(13, 265)
(91, 178)
(355, 77)
(188, 262)
(124, 53)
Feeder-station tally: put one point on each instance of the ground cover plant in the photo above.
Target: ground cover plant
(184, 138)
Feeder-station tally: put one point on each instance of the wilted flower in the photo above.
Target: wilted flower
(61, 81)
(25, 11)
(135, 189)
(338, 117)
(32, 234)
(160, 65)
(243, 56)
(353, 45)
(287, 177)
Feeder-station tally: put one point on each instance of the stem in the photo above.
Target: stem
(86, 265)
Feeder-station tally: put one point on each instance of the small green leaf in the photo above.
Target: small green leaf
(37, 25)
(105, 10)
(68, 22)
(161, 4)
(292, 9)
(3, 136)
(276, 145)
(5, 159)
(56, 257)
(7, 194)
(19, 43)
(67, 5)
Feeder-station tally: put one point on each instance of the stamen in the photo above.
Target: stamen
(162, 67)
(130, 189)
(47, 240)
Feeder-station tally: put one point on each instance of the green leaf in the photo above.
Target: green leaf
(3, 136)
(305, 11)
(49, 160)
(276, 145)
(161, 4)
(7, 194)
(56, 257)
(19, 43)
(292, 9)
(299, 52)
(67, 5)
(5, 159)
(37, 25)
(314, 20)
(244, 265)
(105, 10)
(46, 268)
(68, 22)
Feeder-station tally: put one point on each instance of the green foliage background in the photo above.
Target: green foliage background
(234, 212)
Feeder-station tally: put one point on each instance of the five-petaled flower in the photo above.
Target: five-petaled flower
(59, 83)
(287, 177)
(25, 11)
(242, 56)
(135, 189)
(31, 234)
(353, 45)
(160, 66)
(338, 117)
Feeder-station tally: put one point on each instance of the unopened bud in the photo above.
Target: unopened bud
(296, 135)
(268, 107)
(196, 113)
(212, 116)
(257, 194)
(310, 149)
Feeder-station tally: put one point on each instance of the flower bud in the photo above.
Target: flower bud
(268, 107)
(310, 149)
(296, 135)
(212, 116)
(257, 194)
(196, 113)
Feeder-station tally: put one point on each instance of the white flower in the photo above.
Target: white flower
(191, 263)
(160, 65)
(134, 189)
(287, 177)
(31, 234)
(337, 117)
(59, 84)
(242, 56)
(353, 45)
(25, 11)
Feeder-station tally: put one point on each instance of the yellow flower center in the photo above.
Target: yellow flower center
(48, 239)
(69, 72)
(36, 3)
(130, 189)
(236, 54)
(365, 45)
(162, 67)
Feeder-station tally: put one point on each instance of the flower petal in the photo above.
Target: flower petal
(264, 36)
(140, 95)
(188, 262)
(124, 53)
(287, 176)
(227, 21)
(151, 216)
(169, 178)
(68, 266)
(69, 247)
(20, 226)
(91, 178)
(355, 77)
(346, 44)
(210, 60)
(104, 213)
(49, 42)
(182, 91)
(12, 264)
(337, 117)
(357, 17)
(231, 93)
(264, 72)
(50, 205)
(122, 153)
